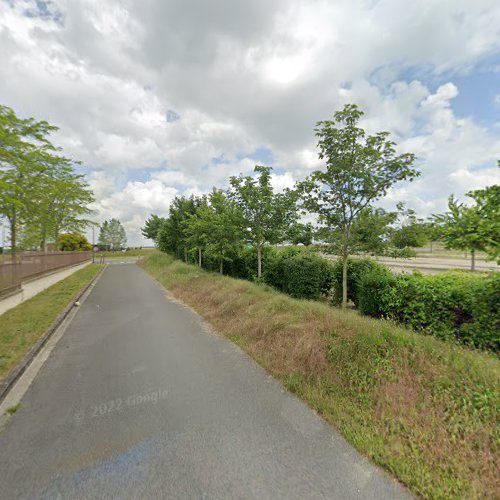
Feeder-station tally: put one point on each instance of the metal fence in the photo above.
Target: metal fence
(14, 269)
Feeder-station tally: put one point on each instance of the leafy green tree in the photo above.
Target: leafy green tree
(172, 237)
(488, 206)
(411, 231)
(266, 214)
(300, 233)
(474, 228)
(151, 227)
(112, 235)
(218, 227)
(73, 242)
(371, 230)
(41, 195)
(360, 168)
(22, 143)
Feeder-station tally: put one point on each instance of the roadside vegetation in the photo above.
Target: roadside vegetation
(425, 409)
(129, 252)
(359, 169)
(23, 325)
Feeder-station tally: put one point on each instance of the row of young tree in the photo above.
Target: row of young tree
(41, 195)
(359, 170)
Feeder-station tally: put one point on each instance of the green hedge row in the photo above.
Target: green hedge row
(454, 305)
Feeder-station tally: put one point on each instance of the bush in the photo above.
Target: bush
(454, 305)
(484, 329)
(300, 273)
(373, 291)
(356, 269)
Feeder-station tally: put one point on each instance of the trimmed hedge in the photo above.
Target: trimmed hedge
(356, 269)
(299, 273)
(455, 305)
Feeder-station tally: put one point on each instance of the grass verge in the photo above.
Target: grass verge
(23, 325)
(139, 252)
(425, 410)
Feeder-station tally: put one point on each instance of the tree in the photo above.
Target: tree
(474, 228)
(266, 214)
(412, 232)
(22, 143)
(371, 230)
(112, 235)
(488, 207)
(218, 227)
(300, 233)
(360, 169)
(172, 237)
(73, 242)
(151, 227)
(41, 194)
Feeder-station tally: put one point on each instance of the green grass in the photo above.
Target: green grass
(13, 409)
(23, 325)
(424, 409)
(139, 252)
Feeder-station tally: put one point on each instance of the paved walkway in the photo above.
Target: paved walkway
(139, 400)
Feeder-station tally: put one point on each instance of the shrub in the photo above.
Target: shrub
(356, 268)
(454, 305)
(300, 273)
(373, 291)
(484, 329)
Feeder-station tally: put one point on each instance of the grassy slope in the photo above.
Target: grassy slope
(22, 326)
(423, 409)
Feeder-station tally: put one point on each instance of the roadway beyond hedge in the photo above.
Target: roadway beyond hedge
(424, 409)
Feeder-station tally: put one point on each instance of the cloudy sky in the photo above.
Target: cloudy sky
(166, 97)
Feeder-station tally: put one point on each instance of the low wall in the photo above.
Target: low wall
(32, 287)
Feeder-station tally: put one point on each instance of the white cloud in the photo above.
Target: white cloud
(242, 77)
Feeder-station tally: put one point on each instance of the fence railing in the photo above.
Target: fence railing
(14, 269)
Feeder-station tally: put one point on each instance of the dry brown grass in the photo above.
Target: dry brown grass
(424, 409)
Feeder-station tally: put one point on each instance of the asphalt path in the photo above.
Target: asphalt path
(139, 399)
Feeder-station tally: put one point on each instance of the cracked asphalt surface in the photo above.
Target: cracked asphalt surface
(140, 400)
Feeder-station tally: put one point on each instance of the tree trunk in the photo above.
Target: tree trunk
(259, 261)
(185, 254)
(221, 266)
(431, 246)
(344, 280)
(473, 260)
(199, 256)
(13, 236)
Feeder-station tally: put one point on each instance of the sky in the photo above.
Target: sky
(160, 98)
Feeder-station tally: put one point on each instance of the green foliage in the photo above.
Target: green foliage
(266, 214)
(301, 274)
(112, 235)
(41, 194)
(474, 227)
(73, 242)
(356, 268)
(411, 231)
(359, 169)
(371, 230)
(151, 227)
(172, 236)
(372, 291)
(299, 233)
(216, 228)
(452, 305)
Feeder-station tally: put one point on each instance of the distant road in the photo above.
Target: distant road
(431, 265)
(139, 400)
